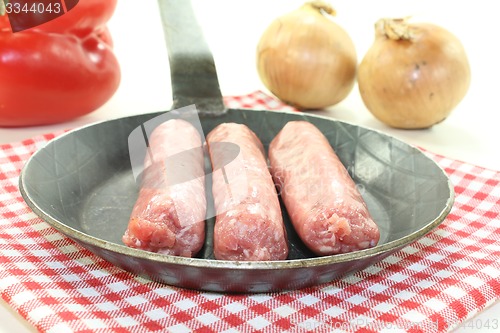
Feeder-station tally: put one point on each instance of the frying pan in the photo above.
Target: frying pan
(82, 183)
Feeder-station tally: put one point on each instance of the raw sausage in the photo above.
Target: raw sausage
(249, 225)
(326, 209)
(169, 214)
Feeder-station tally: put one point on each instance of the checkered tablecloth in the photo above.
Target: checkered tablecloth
(432, 285)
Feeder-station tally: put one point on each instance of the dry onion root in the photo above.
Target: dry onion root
(306, 59)
(413, 75)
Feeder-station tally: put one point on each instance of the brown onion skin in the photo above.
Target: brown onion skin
(414, 82)
(306, 59)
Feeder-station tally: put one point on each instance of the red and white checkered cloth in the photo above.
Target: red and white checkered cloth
(432, 285)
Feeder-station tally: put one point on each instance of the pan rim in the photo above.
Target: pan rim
(82, 237)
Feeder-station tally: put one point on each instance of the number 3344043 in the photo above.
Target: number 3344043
(17, 8)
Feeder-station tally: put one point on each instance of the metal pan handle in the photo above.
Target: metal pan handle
(193, 74)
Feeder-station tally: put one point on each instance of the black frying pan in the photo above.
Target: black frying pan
(82, 183)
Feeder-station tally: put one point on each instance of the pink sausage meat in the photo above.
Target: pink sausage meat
(169, 214)
(326, 209)
(249, 225)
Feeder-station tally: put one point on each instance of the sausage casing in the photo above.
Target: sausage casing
(249, 225)
(326, 208)
(169, 214)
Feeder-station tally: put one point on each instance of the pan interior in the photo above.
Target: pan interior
(84, 180)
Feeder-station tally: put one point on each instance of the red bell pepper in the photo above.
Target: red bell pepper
(59, 70)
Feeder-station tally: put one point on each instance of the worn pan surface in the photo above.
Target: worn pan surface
(82, 183)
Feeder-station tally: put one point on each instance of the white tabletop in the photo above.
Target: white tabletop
(233, 28)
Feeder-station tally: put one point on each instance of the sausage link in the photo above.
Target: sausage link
(169, 214)
(323, 202)
(249, 225)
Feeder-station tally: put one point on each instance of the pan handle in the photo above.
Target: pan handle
(192, 68)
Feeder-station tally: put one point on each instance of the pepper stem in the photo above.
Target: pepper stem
(395, 29)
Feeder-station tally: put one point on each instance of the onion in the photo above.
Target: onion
(306, 59)
(413, 75)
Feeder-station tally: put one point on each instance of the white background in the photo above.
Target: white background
(232, 28)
